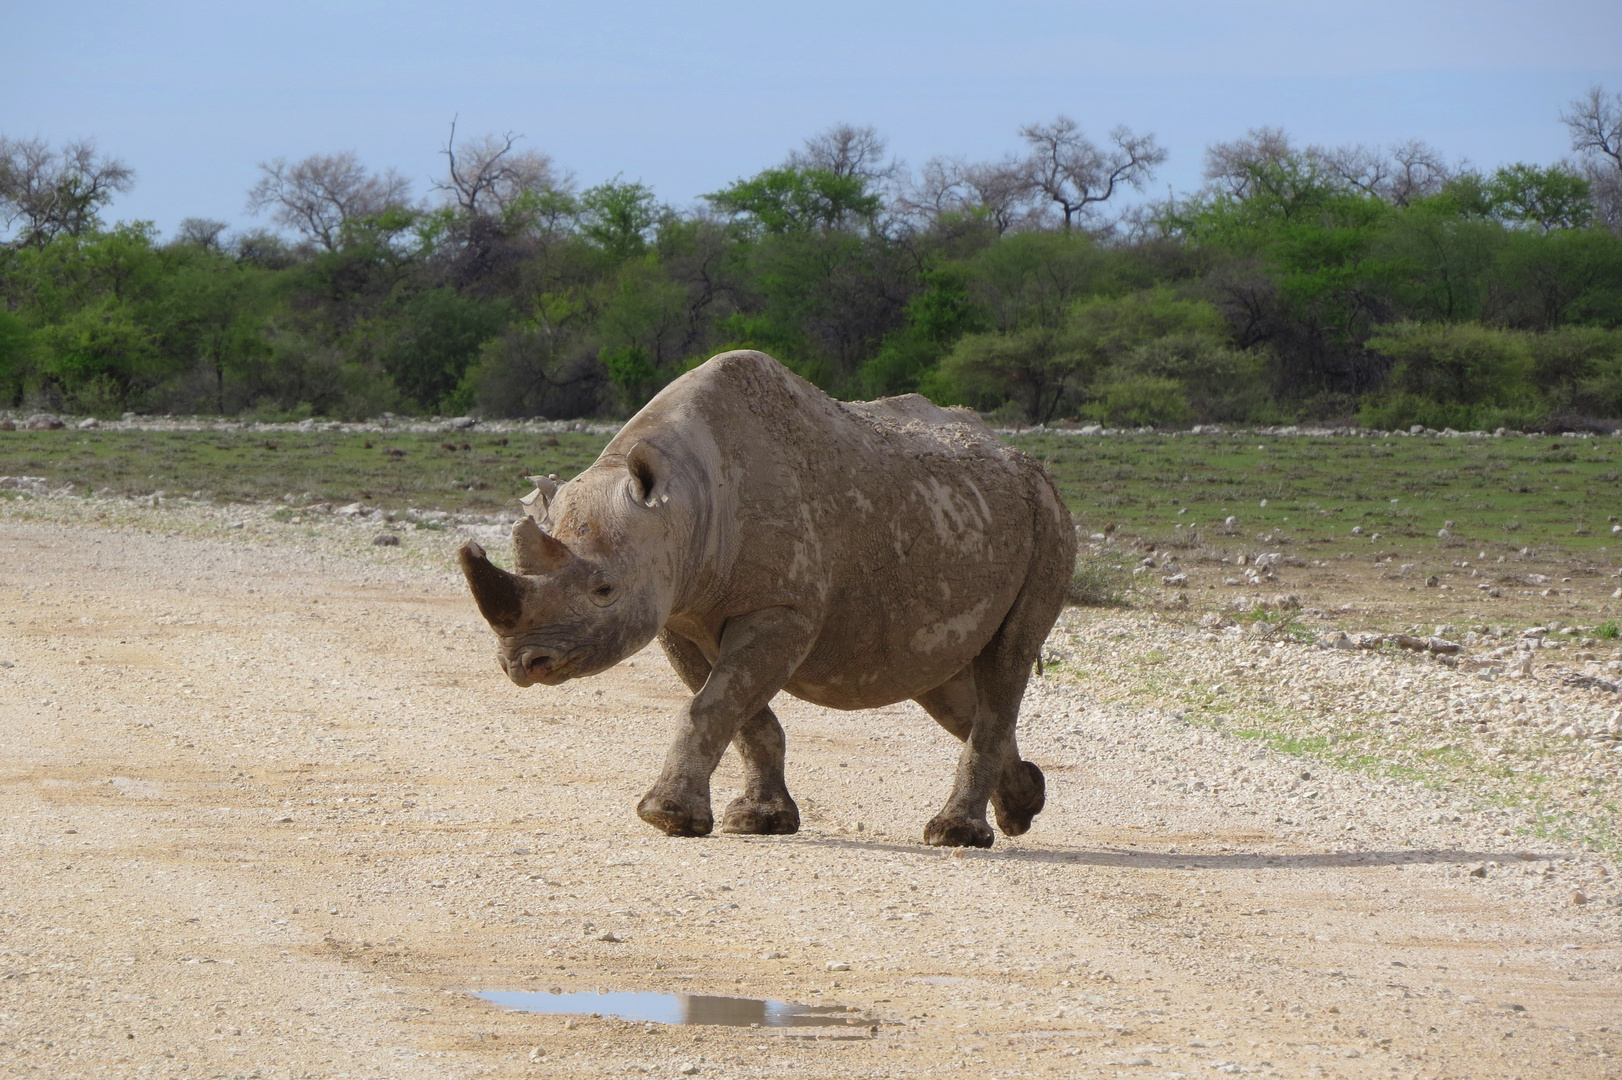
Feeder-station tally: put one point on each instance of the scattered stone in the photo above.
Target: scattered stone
(1432, 582)
(1479, 870)
(89, 423)
(1579, 897)
(836, 965)
(354, 509)
(689, 1069)
(43, 422)
(385, 539)
(609, 935)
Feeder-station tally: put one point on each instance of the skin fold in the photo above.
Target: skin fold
(773, 539)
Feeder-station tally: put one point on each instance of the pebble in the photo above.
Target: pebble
(836, 965)
(386, 539)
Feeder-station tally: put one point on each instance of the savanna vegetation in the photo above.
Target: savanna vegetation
(1385, 286)
(1219, 488)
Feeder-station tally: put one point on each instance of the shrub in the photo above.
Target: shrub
(1462, 364)
(1099, 582)
(1143, 401)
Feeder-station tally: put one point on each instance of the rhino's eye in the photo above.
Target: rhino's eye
(602, 593)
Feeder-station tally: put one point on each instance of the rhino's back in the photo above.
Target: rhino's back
(911, 527)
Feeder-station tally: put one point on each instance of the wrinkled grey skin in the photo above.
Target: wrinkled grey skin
(852, 554)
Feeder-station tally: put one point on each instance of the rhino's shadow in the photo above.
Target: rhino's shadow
(1236, 860)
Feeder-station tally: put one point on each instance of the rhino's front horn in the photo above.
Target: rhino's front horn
(500, 595)
(535, 551)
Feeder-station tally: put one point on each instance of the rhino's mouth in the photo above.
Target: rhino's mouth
(537, 665)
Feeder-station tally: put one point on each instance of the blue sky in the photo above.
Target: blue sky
(688, 97)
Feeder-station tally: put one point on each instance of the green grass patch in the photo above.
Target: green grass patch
(1180, 490)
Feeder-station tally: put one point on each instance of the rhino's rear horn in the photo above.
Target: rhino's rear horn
(535, 551)
(500, 595)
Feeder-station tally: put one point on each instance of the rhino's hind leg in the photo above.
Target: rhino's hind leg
(1020, 794)
(980, 705)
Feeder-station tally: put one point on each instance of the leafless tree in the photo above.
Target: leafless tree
(487, 176)
(56, 191)
(1410, 171)
(1077, 175)
(1419, 170)
(317, 196)
(1595, 123)
(1001, 191)
(1231, 166)
(202, 233)
(847, 150)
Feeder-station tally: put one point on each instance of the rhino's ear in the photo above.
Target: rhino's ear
(500, 595)
(536, 502)
(648, 473)
(536, 552)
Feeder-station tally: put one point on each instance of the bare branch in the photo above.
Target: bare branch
(487, 176)
(1420, 170)
(202, 233)
(317, 196)
(1232, 165)
(1412, 170)
(1595, 123)
(1075, 174)
(847, 150)
(1000, 190)
(53, 192)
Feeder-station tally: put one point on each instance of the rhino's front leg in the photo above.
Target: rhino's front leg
(765, 807)
(758, 653)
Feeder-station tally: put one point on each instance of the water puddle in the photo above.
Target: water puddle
(647, 1005)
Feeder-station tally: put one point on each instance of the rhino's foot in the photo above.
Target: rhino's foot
(1016, 801)
(674, 817)
(761, 817)
(946, 831)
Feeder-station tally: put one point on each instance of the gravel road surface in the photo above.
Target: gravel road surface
(268, 809)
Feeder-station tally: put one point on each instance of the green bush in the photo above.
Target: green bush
(1143, 401)
(1218, 383)
(1462, 363)
(1396, 412)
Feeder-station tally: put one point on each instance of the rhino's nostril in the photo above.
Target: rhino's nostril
(539, 663)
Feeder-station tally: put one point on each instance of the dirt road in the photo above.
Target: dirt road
(268, 809)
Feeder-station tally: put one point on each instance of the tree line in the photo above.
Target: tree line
(1386, 285)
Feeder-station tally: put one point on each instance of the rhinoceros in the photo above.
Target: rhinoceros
(853, 554)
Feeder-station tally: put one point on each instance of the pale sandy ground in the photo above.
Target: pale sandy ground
(268, 809)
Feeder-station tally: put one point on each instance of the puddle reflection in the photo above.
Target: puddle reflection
(659, 1008)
